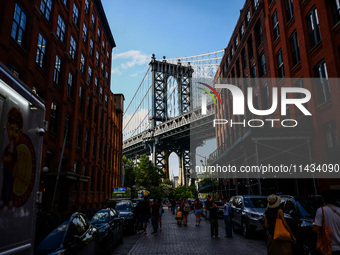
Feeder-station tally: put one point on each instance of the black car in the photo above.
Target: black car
(299, 213)
(125, 211)
(75, 236)
(248, 213)
(110, 227)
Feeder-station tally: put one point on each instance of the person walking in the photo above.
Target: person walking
(213, 220)
(173, 206)
(198, 207)
(207, 207)
(154, 215)
(145, 212)
(331, 212)
(161, 211)
(186, 210)
(227, 218)
(273, 212)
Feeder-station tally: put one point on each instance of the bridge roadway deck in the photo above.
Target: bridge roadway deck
(189, 240)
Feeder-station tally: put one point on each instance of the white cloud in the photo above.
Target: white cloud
(116, 71)
(136, 56)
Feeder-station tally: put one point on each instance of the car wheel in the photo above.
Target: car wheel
(245, 229)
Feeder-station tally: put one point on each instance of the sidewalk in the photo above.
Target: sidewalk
(193, 240)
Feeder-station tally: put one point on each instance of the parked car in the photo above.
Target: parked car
(136, 201)
(125, 210)
(110, 227)
(248, 213)
(75, 236)
(299, 213)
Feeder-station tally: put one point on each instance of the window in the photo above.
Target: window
(231, 52)
(93, 146)
(80, 104)
(275, 22)
(265, 97)
(98, 35)
(241, 32)
(106, 102)
(45, 8)
(330, 134)
(86, 6)
(108, 57)
(75, 15)
(250, 47)
(93, 22)
(236, 42)
(102, 69)
(280, 68)
(89, 75)
(299, 84)
(57, 70)
(253, 74)
(41, 51)
(73, 47)
(262, 65)
(19, 25)
(84, 32)
(88, 105)
(65, 2)
(91, 47)
(289, 9)
(244, 58)
(78, 138)
(70, 85)
(99, 158)
(96, 85)
(101, 93)
(101, 121)
(53, 118)
(248, 18)
(107, 79)
(61, 28)
(97, 58)
(335, 4)
(258, 32)
(86, 140)
(82, 63)
(313, 27)
(67, 126)
(95, 114)
(103, 46)
(294, 47)
(323, 91)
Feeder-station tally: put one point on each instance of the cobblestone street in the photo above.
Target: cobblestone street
(189, 240)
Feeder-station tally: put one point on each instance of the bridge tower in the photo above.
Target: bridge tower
(161, 71)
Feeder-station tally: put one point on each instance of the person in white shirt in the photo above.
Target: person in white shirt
(332, 219)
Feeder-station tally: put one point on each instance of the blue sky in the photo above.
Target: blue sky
(175, 28)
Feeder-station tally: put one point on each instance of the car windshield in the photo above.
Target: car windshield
(123, 206)
(100, 217)
(255, 202)
(54, 240)
(308, 206)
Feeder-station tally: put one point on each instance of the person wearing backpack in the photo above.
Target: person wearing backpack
(227, 214)
(186, 210)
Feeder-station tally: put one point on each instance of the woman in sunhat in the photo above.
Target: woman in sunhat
(274, 211)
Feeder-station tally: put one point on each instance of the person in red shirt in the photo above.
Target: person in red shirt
(154, 215)
(198, 208)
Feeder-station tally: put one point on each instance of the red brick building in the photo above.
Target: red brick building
(284, 39)
(62, 50)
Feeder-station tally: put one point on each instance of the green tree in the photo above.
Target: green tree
(147, 174)
(129, 172)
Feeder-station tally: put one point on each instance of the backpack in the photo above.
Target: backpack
(186, 208)
(230, 211)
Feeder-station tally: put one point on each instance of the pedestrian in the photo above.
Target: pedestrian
(213, 219)
(273, 212)
(161, 211)
(207, 207)
(331, 213)
(198, 210)
(173, 206)
(227, 218)
(186, 210)
(140, 217)
(179, 217)
(145, 212)
(154, 215)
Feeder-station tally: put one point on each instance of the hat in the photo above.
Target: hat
(273, 201)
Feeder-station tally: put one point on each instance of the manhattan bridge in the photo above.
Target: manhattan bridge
(165, 108)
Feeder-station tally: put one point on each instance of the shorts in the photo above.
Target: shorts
(198, 212)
